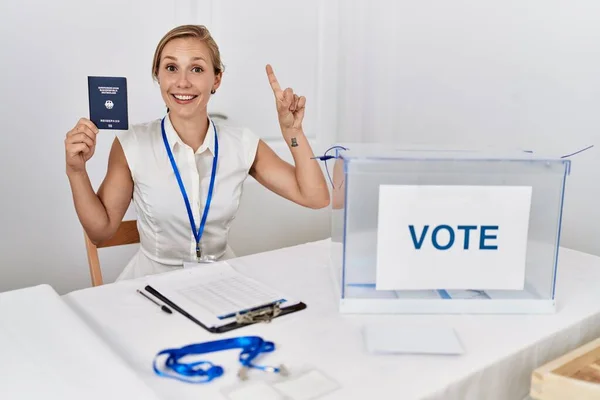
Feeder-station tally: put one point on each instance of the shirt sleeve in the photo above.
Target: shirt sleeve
(128, 140)
(250, 141)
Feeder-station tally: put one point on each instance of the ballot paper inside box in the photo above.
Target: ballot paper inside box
(445, 231)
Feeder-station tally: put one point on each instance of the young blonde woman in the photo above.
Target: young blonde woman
(185, 171)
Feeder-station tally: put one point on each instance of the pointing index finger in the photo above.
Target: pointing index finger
(273, 80)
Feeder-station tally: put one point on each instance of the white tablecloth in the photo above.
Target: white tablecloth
(501, 350)
(47, 352)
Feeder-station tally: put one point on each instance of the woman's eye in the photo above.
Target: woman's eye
(171, 68)
(197, 69)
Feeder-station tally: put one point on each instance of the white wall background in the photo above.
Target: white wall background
(519, 74)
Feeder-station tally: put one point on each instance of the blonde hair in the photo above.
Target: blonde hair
(189, 31)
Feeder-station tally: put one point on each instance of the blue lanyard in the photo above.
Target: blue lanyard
(205, 371)
(198, 234)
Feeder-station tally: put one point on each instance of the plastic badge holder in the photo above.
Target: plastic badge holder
(302, 383)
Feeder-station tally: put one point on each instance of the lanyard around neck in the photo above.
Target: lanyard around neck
(197, 234)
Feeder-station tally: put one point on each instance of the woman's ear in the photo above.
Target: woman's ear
(217, 82)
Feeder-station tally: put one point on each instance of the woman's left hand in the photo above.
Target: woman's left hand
(290, 106)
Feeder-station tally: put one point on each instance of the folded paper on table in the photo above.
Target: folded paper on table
(397, 338)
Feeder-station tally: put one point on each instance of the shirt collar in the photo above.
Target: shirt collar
(175, 140)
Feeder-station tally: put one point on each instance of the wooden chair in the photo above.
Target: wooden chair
(127, 233)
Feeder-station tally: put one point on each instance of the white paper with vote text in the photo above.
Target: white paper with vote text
(452, 237)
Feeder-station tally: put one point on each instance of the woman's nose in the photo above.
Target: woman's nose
(183, 80)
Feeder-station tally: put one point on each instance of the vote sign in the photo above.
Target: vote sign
(452, 237)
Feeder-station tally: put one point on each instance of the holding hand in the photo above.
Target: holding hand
(80, 145)
(290, 107)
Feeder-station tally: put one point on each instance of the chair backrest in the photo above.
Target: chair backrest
(127, 233)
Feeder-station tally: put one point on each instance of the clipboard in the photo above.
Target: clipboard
(220, 299)
(255, 315)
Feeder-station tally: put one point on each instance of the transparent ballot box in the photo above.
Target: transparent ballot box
(445, 231)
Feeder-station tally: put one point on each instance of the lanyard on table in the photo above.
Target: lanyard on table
(197, 234)
(204, 371)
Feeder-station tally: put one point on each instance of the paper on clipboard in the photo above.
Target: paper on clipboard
(214, 293)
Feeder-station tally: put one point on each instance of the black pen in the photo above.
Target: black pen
(178, 309)
(162, 307)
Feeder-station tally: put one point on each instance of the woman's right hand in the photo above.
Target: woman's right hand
(80, 145)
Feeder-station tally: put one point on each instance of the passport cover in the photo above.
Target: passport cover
(108, 102)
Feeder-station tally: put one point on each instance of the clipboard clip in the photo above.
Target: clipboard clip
(264, 314)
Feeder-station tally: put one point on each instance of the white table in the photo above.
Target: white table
(501, 350)
(49, 353)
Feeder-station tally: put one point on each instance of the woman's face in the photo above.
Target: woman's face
(186, 77)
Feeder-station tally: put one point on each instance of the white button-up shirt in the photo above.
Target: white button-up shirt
(165, 232)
